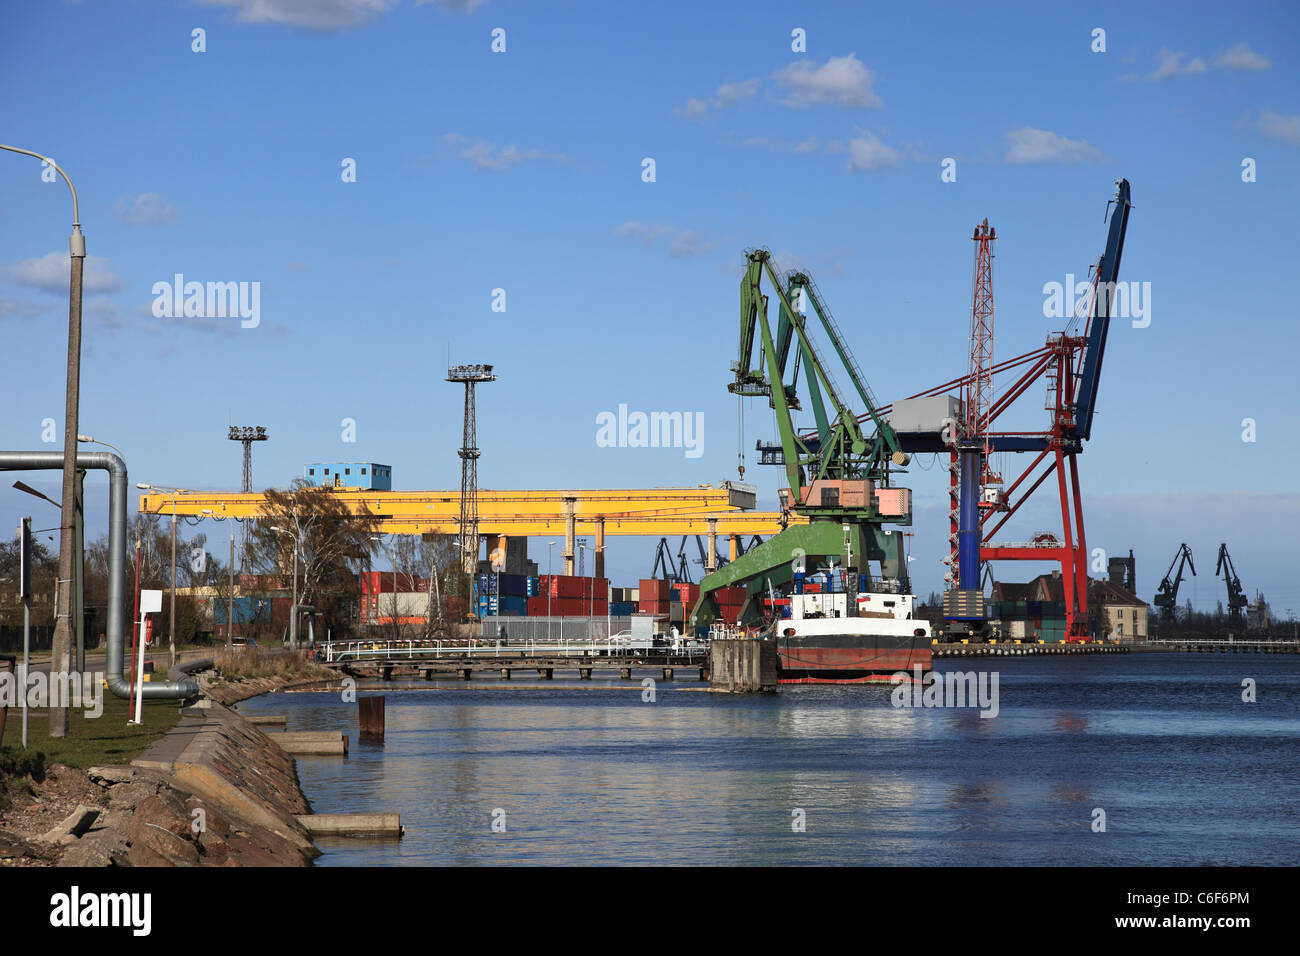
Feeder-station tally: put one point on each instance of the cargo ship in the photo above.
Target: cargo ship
(843, 638)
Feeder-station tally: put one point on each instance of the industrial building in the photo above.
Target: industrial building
(1036, 611)
(350, 474)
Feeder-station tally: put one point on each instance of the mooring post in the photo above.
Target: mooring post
(465, 673)
(370, 713)
(505, 673)
(625, 673)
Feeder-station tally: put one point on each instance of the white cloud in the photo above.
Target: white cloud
(1171, 64)
(322, 15)
(103, 314)
(724, 96)
(456, 6)
(679, 243)
(1285, 128)
(867, 151)
(840, 81)
(1241, 57)
(155, 325)
(693, 109)
(51, 273)
(147, 209)
(1029, 145)
(729, 93)
(809, 145)
(11, 308)
(484, 155)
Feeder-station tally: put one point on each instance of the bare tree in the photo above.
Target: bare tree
(333, 545)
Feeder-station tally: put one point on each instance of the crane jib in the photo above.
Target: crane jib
(1099, 324)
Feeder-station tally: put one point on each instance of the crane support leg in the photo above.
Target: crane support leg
(570, 536)
(1081, 547)
(968, 529)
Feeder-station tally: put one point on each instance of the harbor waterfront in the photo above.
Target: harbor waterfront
(1183, 770)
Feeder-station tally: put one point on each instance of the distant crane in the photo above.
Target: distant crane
(1167, 596)
(1236, 596)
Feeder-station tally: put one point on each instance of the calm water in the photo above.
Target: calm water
(589, 774)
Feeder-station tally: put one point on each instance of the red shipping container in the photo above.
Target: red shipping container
(653, 589)
(567, 586)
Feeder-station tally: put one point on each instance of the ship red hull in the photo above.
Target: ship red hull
(849, 660)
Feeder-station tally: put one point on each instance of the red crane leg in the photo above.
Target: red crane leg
(1081, 557)
(1067, 557)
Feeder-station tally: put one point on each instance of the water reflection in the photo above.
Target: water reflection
(591, 774)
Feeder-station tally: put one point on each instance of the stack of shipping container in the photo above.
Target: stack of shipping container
(653, 597)
(569, 596)
(504, 595)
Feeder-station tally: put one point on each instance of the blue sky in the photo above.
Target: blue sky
(522, 171)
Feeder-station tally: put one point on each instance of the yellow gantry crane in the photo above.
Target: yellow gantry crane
(650, 512)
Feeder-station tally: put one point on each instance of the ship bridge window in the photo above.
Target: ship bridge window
(890, 603)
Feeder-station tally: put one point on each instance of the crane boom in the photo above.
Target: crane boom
(1099, 320)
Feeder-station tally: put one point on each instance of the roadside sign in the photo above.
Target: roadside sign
(25, 558)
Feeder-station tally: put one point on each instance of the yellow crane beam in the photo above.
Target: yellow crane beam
(504, 506)
(645, 512)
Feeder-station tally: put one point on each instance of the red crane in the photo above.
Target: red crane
(1071, 364)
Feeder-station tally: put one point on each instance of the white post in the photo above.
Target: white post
(150, 603)
(139, 677)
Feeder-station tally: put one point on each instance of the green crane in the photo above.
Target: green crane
(832, 476)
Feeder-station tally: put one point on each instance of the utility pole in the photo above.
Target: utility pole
(230, 621)
(61, 644)
(25, 592)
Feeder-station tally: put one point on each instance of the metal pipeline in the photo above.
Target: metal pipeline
(117, 588)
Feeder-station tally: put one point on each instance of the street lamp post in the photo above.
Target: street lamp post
(230, 619)
(171, 629)
(550, 586)
(397, 633)
(293, 611)
(59, 648)
(591, 592)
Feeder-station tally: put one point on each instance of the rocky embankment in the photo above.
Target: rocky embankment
(226, 691)
(215, 791)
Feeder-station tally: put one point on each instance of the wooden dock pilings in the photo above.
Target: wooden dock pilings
(370, 716)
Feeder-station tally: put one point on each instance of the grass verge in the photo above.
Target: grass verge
(106, 739)
(249, 662)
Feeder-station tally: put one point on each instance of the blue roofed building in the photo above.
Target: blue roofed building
(349, 474)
